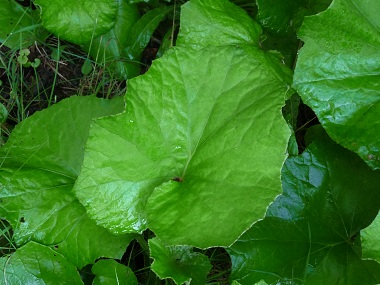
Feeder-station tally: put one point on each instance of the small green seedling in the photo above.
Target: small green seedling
(24, 60)
(87, 67)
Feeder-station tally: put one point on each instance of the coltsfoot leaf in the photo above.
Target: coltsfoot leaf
(338, 73)
(39, 165)
(311, 234)
(199, 148)
(179, 263)
(37, 264)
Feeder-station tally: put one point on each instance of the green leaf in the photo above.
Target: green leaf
(214, 23)
(151, 2)
(337, 74)
(3, 113)
(108, 48)
(36, 63)
(23, 56)
(86, 67)
(40, 143)
(287, 46)
(19, 28)
(371, 240)
(202, 138)
(166, 42)
(285, 17)
(37, 264)
(40, 163)
(179, 263)
(261, 282)
(109, 272)
(281, 19)
(311, 232)
(143, 30)
(78, 21)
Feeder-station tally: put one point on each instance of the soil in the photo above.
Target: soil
(33, 87)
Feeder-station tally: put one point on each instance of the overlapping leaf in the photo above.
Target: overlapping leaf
(19, 25)
(281, 19)
(371, 240)
(338, 72)
(108, 48)
(143, 30)
(179, 263)
(78, 21)
(311, 232)
(37, 264)
(285, 17)
(215, 23)
(40, 163)
(109, 272)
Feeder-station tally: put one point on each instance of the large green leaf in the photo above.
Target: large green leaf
(338, 73)
(40, 163)
(311, 232)
(78, 21)
(179, 263)
(109, 272)
(371, 240)
(199, 149)
(37, 264)
(19, 25)
(214, 23)
(108, 48)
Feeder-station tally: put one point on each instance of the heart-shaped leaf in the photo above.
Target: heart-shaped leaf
(311, 233)
(198, 150)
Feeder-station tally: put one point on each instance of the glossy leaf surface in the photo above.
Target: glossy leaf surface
(78, 21)
(37, 264)
(108, 48)
(280, 20)
(179, 263)
(311, 232)
(371, 240)
(202, 140)
(143, 30)
(285, 17)
(216, 23)
(109, 272)
(337, 74)
(40, 163)
(19, 27)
